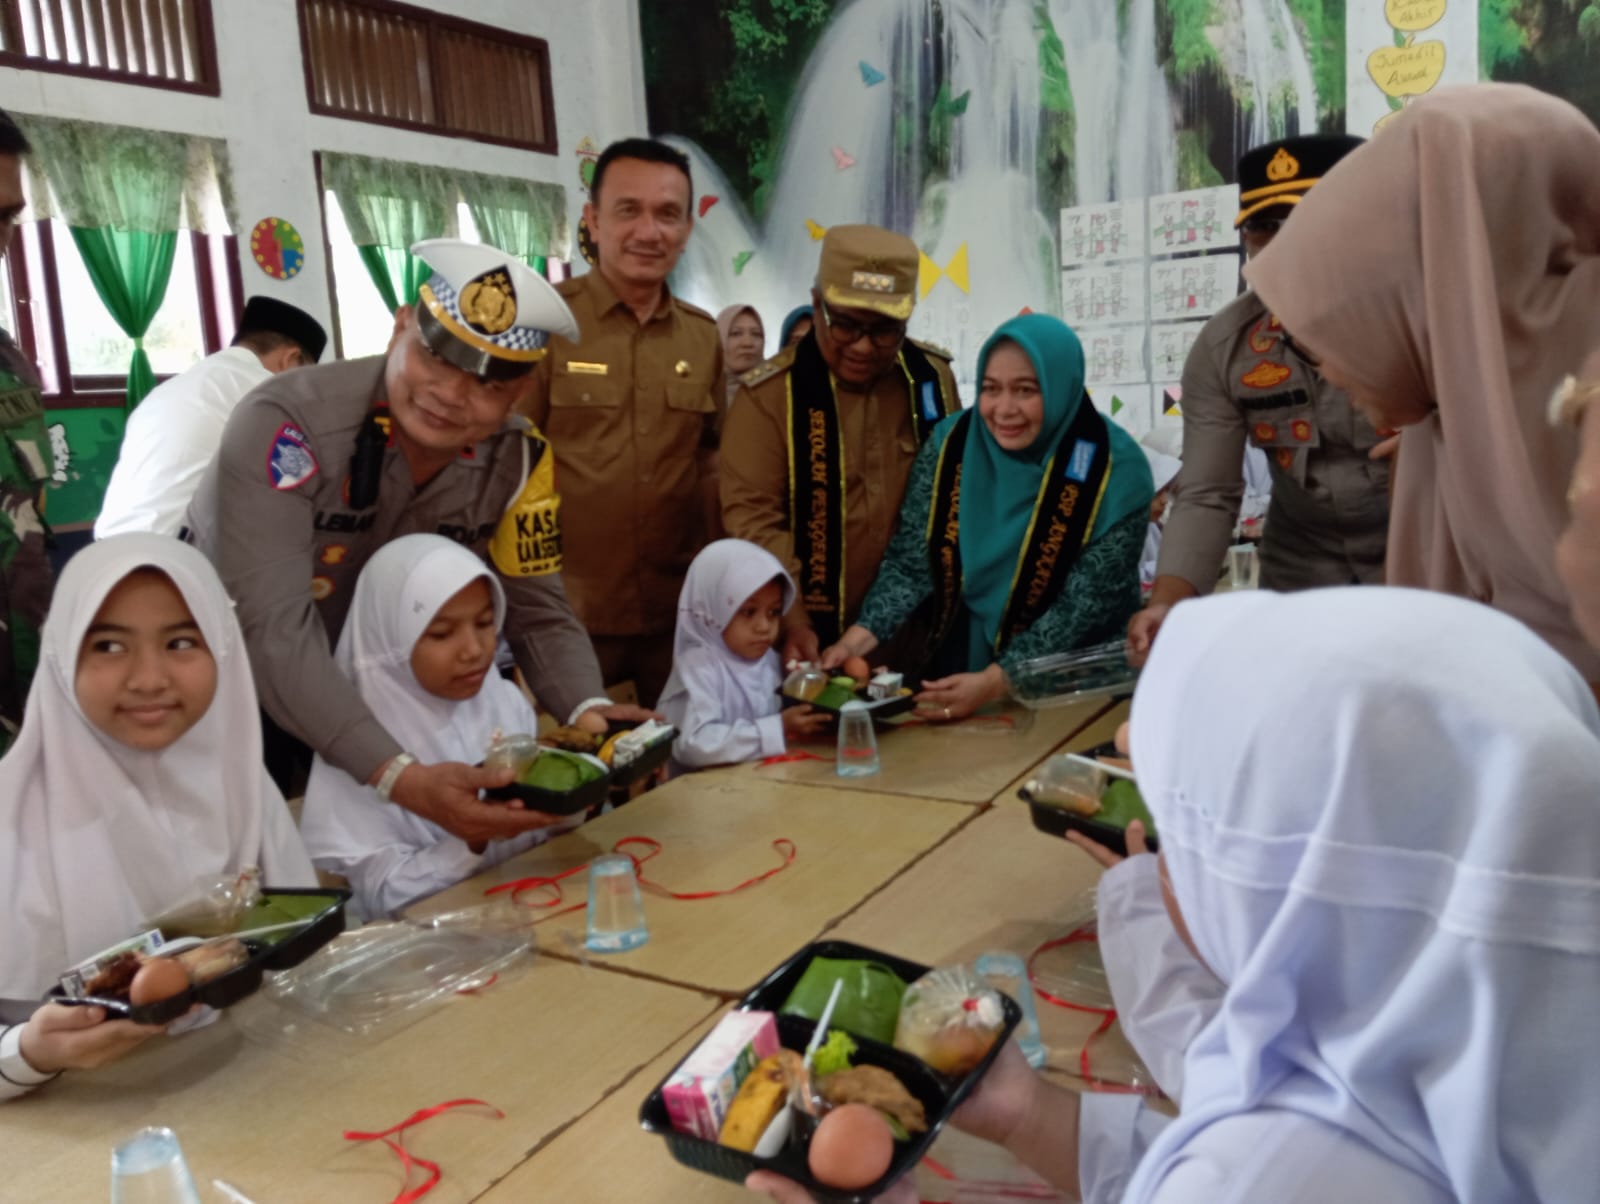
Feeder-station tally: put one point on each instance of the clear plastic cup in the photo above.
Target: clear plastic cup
(1244, 566)
(616, 912)
(858, 741)
(1006, 972)
(149, 1168)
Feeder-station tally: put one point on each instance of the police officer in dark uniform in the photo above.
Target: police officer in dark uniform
(319, 468)
(1246, 381)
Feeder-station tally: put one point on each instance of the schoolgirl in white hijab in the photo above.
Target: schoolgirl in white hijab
(100, 836)
(1384, 836)
(725, 705)
(390, 855)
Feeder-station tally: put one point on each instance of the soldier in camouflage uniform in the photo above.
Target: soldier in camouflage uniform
(26, 581)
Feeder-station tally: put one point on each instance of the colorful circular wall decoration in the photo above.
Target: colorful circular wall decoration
(277, 247)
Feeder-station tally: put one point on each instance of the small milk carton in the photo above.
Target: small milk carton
(700, 1091)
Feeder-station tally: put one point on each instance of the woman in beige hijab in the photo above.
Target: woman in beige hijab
(1578, 553)
(744, 342)
(1447, 276)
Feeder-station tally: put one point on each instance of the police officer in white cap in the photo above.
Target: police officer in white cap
(321, 467)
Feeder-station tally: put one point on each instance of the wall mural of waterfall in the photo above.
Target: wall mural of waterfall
(970, 124)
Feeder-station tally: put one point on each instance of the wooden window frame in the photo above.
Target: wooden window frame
(210, 83)
(77, 392)
(433, 22)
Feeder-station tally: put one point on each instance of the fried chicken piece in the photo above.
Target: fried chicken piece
(877, 1088)
(571, 739)
(115, 977)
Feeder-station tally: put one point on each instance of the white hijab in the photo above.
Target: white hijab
(99, 836)
(399, 592)
(721, 580)
(1380, 811)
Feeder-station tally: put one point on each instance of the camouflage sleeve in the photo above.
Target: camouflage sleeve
(26, 584)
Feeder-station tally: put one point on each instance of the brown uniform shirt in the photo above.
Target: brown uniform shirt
(629, 410)
(274, 515)
(880, 444)
(1329, 517)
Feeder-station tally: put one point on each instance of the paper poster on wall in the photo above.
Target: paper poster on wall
(1096, 296)
(1114, 355)
(1201, 220)
(1093, 234)
(1169, 348)
(1130, 406)
(1192, 288)
(1402, 49)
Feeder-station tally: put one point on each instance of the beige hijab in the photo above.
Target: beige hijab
(725, 321)
(1454, 261)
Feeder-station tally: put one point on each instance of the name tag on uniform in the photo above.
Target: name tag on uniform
(579, 368)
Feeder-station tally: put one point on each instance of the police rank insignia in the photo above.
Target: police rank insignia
(489, 303)
(1265, 375)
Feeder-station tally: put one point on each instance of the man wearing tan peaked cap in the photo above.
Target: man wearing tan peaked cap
(321, 467)
(820, 439)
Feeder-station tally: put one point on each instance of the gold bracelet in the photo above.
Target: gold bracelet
(1570, 399)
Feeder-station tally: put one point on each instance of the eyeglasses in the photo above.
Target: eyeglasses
(1261, 225)
(845, 331)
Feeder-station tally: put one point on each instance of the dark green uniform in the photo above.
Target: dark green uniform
(26, 581)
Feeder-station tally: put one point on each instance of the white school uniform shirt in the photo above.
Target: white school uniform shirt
(1398, 878)
(100, 837)
(726, 708)
(391, 856)
(171, 437)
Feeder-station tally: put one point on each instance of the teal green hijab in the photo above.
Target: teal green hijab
(999, 488)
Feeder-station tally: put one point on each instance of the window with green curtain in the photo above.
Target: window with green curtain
(522, 218)
(389, 205)
(126, 192)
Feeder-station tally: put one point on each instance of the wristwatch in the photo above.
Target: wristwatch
(391, 775)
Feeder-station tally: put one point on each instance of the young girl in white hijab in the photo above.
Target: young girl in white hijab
(137, 771)
(723, 693)
(420, 645)
(1394, 877)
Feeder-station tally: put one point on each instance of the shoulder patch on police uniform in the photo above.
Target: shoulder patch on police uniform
(768, 368)
(933, 349)
(290, 461)
(527, 543)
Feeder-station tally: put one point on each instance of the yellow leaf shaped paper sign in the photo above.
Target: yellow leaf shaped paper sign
(815, 230)
(1407, 70)
(1378, 125)
(928, 272)
(1412, 16)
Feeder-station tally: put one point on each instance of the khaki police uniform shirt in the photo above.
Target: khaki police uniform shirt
(879, 439)
(289, 548)
(628, 410)
(1329, 516)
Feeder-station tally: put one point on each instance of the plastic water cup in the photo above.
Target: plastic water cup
(1244, 566)
(616, 912)
(858, 741)
(1005, 971)
(149, 1168)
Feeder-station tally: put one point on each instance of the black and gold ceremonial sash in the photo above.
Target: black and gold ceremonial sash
(1063, 520)
(817, 472)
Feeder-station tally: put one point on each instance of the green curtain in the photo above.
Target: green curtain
(126, 192)
(520, 217)
(130, 270)
(388, 205)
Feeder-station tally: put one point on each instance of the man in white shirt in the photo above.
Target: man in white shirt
(175, 431)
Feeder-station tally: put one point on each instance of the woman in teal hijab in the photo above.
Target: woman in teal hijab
(1021, 529)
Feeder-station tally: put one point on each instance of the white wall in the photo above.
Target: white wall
(595, 59)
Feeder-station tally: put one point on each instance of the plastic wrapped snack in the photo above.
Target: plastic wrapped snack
(515, 752)
(215, 907)
(949, 1019)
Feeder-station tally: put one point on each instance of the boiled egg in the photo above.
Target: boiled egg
(852, 1147)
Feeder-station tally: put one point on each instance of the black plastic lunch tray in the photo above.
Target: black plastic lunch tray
(555, 802)
(939, 1094)
(243, 981)
(652, 759)
(1058, 821)
(878, 708)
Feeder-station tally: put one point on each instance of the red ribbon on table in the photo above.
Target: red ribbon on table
(783, 844)
(1108, 1016)
(786, 758)
(409, 1161)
